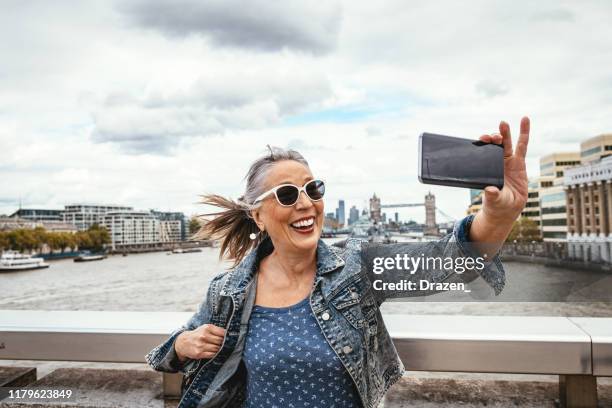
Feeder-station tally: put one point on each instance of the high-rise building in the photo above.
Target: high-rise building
(384, 218)
(340, 214)
(589, 209)
(353, 215)
(375, 208)
(396, 217)
(555, 163)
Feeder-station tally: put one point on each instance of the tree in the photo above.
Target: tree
(194, 225)
(524, 230)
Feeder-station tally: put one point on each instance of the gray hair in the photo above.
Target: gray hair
(234, 225)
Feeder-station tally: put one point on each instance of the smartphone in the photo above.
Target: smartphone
(457, 162)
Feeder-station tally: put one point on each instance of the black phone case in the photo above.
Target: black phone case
(451, 182)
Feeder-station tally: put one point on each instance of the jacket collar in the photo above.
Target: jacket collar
(243, 273)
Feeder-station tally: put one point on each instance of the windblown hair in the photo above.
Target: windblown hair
(234, 224)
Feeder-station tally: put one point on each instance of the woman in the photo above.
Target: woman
(295, 322)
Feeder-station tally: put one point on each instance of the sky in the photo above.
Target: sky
(152, 103)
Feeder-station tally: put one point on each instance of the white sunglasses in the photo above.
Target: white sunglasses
(288, 194)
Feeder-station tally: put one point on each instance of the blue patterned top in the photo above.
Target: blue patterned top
(290, 364)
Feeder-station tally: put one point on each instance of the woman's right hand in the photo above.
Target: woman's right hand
(203, 342)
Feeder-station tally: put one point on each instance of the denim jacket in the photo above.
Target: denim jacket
(343, 302)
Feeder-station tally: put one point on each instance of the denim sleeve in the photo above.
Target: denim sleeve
(164, 357)
(454, 245)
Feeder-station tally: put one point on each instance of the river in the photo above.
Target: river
(161, 282)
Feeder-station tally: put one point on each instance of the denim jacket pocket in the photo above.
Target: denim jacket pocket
(356, 305)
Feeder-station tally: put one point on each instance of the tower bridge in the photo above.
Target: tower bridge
(430, 211)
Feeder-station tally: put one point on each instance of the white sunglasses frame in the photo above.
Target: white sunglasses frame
(300, 189)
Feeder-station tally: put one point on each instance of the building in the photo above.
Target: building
(131, 228)
(555, 163)
(596, 148)
(551, 194)
(475, 201)
(589, 203)
(532, 207)
(353, 215)
(375, 209)
(174, 225)
(396, 217)
(38, 214)
(431, 228)
(340, 214)
(84, 216)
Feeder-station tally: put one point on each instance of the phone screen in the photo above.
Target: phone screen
(458, 162)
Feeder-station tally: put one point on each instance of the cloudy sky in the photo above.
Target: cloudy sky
(150, 103)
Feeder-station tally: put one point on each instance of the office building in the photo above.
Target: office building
(551, 193)
(532, 207)
(596, 148)
(353, 215)
(589, 203)
(340, 214)
(84, 216)
(555, 163)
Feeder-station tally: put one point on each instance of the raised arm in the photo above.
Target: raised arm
(478, 237)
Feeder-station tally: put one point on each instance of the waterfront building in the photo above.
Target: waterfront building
(38, 214)
(375, 209)
(174, 225)
(131, 228)
(532, 207)
(83, 216)
(353, 215)
(596, 148)
(14, 223)
(589, 203)
(551, 193)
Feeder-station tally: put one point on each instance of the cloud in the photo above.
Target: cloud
(158, 120)
(491, 89)
(258, 24)
(554, 15)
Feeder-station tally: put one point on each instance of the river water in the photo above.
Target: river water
(161, 282)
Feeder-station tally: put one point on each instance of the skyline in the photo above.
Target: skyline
(104, 100)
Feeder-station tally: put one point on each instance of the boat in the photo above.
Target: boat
(87, 256)
(185, 250)
(15, 261)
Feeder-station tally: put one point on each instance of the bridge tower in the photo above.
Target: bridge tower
(431, 228)
(375, 209)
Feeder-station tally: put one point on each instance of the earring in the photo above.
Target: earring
(253, 236)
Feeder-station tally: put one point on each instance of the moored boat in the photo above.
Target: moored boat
(15, 261)
(88, 256)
